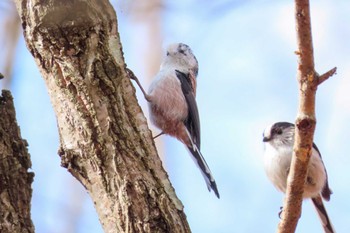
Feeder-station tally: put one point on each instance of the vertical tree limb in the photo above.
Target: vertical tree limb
(105, 142)
(15, 180)
(306, 120)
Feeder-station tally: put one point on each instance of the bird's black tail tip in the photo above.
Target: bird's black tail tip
(215, 189)
(202, 164)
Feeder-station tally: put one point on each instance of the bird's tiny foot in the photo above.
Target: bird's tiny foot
(280, 213)
(158, 135)
(130, 74)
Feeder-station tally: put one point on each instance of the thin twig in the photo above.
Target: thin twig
(327, 75)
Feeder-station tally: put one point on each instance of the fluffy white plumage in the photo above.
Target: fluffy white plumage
(278, 157)
(279, 140)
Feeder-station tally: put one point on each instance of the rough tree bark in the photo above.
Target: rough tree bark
(104, 138)
(306, 120)
(15, 180)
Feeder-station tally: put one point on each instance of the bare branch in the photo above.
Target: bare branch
(306, 119)
(327, 75)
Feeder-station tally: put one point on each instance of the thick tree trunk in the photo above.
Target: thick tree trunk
(104, 138)
(15, 180)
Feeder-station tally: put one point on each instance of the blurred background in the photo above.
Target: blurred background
(246, 81)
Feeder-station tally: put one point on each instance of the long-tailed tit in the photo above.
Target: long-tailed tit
(279, 140)
(173, 106)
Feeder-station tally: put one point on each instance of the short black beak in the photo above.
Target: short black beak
(266, 139)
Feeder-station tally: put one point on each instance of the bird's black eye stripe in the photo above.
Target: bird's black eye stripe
(182, 51)
(278, 131)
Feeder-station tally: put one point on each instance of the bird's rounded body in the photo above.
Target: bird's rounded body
(279, 141)
(168, 104)
(172, 103)
(277, 163)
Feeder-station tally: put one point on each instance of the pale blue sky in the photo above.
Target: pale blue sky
(246, 80)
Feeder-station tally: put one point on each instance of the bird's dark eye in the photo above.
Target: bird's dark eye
(167, 53)
(182, 51)
(279, 131)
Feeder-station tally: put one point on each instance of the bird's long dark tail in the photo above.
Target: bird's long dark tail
(200, 161)
(322, 213)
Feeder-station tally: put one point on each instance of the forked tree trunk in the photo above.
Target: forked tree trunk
(104, 138)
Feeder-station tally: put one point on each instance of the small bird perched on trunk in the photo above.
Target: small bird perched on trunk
(172, 103)
(279, 141)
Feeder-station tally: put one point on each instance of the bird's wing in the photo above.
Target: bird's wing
(322, 213)
(192, 122)
(326, 191)
(193, 130)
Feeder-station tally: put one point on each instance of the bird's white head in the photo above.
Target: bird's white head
(278, 134)
(179, 56)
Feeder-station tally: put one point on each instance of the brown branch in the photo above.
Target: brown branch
(306, 119)
(15, 180)
(327, 75)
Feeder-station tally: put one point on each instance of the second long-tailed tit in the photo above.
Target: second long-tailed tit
(172, 103)
(279, 139)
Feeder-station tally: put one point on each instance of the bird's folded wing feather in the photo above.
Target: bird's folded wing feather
(192, 122)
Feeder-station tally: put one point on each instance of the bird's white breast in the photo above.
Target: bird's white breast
(277, 164)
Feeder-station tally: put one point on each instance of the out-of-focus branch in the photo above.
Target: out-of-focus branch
(306, 120)
(9, 34)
